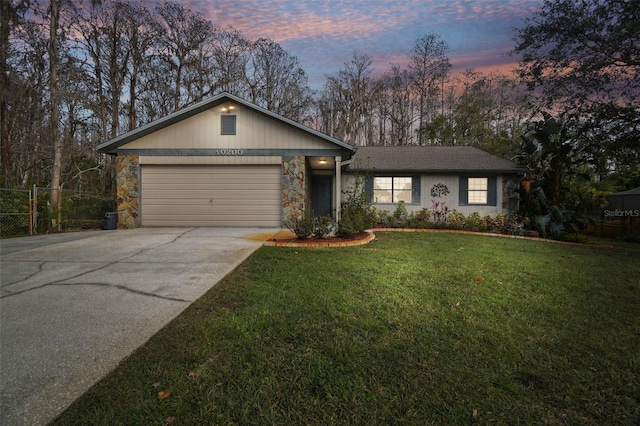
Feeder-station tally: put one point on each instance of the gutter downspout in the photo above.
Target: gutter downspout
(338, 186)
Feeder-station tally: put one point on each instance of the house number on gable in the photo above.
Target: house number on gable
(228, 152)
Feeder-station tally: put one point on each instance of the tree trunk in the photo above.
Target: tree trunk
(55, 113)
(5, 142)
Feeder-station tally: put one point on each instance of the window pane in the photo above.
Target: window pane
(478, 184)
(477, 197)
(402, 195)
(382, 190)
(402, 183)
(402, 189)
(383, 183)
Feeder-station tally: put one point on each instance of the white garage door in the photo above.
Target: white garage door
(211, 195)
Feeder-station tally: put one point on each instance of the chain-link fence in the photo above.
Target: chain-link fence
(29, 212)
(15, 212)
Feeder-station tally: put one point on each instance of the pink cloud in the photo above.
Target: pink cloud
(324, 34)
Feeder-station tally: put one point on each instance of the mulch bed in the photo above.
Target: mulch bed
(358, 239)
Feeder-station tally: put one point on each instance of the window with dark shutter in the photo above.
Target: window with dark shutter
(480, 191)
(228, 124)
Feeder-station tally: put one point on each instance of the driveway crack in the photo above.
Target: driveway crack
(120, 287)
(124, 259)
(125, 288)
(40, 269)
(153, 248)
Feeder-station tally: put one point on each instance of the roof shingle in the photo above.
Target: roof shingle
(430, 159)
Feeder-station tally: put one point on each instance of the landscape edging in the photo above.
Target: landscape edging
(493, 234)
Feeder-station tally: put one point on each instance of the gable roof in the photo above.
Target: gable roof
(430, 159)
(111, 146)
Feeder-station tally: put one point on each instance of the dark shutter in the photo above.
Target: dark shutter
(492, 191)
(368, 189)
(228, 124)
(463, 189)
(415, 190)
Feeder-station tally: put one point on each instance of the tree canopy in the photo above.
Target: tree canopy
(582, 60)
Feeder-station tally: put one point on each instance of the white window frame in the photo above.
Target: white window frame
(388, 183)
(478, 191)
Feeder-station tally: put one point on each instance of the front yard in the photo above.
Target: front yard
(412, 328)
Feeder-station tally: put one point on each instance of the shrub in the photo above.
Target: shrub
(381, 217)
(475, 222)
(456, 220)
(302, 226)
(322, 226)
(488, 223)
(496, 223)
(419, 219)
(400, 215)
(356, 214)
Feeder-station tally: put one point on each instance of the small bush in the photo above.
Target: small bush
(456, 220)
(302, 226)
(322, 226)
(475, 222)
(419, 219)
(354, 221)
(356, 214)
(400, 215)
(382, 217)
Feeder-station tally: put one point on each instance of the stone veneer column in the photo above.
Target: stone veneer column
(128, 184)
(293, 187)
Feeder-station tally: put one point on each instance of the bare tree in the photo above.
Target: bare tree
(397, 117)
(182, 43)
(428, 67)
(346, 103)
(10, 16)
(276, 81)
(231, 56)
(141, 34)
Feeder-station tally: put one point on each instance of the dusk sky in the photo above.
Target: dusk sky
(324, 34)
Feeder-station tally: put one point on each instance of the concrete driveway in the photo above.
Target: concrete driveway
(72, 306)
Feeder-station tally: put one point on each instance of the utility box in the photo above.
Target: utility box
(112, 220)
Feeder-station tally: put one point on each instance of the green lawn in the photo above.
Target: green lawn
(413, 328)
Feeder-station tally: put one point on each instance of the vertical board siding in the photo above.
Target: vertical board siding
(426, 183)
(253, 131)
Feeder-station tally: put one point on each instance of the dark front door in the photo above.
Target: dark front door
(321, 195)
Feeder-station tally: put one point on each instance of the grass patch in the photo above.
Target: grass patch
(412, 328)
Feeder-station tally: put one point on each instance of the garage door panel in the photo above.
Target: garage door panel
(200, 187)
(205, 210)
(211, 180)
(263, 191)
(211, 195)
(230, 222)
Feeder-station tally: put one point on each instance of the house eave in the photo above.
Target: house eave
(440, 171)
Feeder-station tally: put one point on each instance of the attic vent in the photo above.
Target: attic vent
(228, 124)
